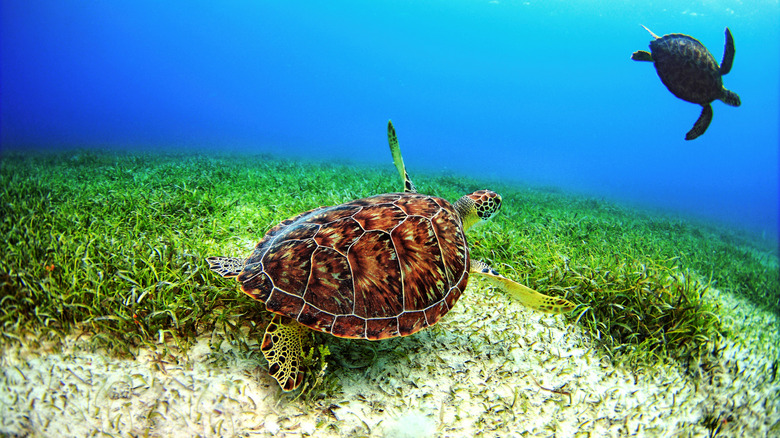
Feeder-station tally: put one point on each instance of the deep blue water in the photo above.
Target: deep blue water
(542, 92)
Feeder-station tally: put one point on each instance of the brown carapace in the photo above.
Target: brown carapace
(389, 265)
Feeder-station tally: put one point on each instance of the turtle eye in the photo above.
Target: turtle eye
(486, 202)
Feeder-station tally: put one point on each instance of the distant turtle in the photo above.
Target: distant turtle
(691, 73)
(374, 268)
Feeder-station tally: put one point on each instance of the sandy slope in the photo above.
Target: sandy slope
(490, 368)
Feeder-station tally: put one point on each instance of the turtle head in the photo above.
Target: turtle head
(478, 206)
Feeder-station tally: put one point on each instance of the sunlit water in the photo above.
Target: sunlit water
(540, 92)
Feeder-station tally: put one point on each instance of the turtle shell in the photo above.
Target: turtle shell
(687, 68)
(374, 268)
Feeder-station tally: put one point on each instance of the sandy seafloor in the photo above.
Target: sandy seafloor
(487, 369)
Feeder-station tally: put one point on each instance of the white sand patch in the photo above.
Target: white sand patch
(490, 368)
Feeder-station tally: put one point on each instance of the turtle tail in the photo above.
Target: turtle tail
(730, 98)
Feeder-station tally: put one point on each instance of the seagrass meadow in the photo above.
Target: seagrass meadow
(103, 285)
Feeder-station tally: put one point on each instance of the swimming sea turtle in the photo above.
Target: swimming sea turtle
(691, 73)
(373, 268)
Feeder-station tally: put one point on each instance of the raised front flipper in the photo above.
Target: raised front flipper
(728, 54)
(525, 295)
(283, 347)
(702, 124)
(398, 159)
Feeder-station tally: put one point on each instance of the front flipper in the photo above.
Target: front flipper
(728, 54)
(641, 55)
(702, 124)
(398, 159)
(283, 347)
(525, 295)
(227, 267)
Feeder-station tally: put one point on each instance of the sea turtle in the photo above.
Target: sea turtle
(691, 73)
(373, 268)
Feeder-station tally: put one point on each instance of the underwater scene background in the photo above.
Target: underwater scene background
(527, 91)
(139, 138)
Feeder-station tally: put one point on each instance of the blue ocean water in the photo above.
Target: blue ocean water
(540, 92)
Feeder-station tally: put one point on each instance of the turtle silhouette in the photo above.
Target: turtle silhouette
(691, 73)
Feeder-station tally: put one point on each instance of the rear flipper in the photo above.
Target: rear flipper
(283, 347)
(702, 124)
(227, 267)
(730, 98)
(525, 295)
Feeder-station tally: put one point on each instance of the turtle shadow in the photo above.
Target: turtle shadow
(348, 355)
(397, 364)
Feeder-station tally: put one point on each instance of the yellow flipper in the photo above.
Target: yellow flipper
(398, 159)
(524, 295)
(283, 347)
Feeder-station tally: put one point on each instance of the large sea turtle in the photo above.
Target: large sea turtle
(691, 73)
(373, 268)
